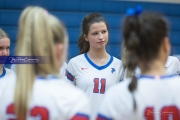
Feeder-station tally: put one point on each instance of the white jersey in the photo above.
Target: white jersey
(52, 99)
(6, 72)
(62, 70)
(92, 79)
(172, 67)
(156, 98)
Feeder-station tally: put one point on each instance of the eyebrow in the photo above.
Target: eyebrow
(3, 46)
(97, 31)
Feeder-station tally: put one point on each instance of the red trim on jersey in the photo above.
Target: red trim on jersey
(80, 117)
(102, 117)
(69, 76)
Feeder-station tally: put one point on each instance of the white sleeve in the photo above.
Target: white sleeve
(70, 72)
(174, 67)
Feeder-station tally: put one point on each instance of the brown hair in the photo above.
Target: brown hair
(143, 34)
(87, 22)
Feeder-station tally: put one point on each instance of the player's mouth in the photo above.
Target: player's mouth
(101, 42)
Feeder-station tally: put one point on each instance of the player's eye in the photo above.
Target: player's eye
(104, 31)
(1, 48)
(95, 33)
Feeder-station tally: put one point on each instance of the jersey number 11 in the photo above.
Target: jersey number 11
(96, 85)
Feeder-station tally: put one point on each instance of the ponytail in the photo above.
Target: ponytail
(131, 44)
(34, 39)
(132, 62)
(143, 35)
(83, 45)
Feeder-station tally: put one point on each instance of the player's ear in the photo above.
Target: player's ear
(85, 37)
(166, 45)
(59, 49)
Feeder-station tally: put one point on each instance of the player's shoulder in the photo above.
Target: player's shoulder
(7, 74)
(173, 58)
(60, 88)
(173, 79)
(116, 60)
(9, 71)
(117, 63)
(77, 59)
(64, 65)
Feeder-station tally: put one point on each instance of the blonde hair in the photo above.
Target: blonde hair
(58, 29)
(59, 35)
(35, 38)
(3, 34)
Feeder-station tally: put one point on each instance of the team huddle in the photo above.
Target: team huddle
(94, 85)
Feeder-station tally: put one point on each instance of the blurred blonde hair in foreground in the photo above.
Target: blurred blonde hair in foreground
(37, 34)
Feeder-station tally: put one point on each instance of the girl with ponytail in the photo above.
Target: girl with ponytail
(152, 95)
(38, 90)
(94, 70)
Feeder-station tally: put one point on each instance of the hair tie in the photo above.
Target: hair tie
(134, 11)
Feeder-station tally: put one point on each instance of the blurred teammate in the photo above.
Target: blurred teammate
(94, 70)
(153, 95)
(38, 93)
(4, 51)
(172, 65)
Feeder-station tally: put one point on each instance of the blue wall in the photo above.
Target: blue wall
(72, 12)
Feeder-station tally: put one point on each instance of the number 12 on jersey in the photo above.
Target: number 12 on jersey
(96, 85)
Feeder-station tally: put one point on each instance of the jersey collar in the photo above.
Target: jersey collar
(98, 67)
(3, 73)
(155, 77)
(47, 77)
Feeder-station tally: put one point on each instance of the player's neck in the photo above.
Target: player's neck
(155, 68)
(99, 57)
(98, 53)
